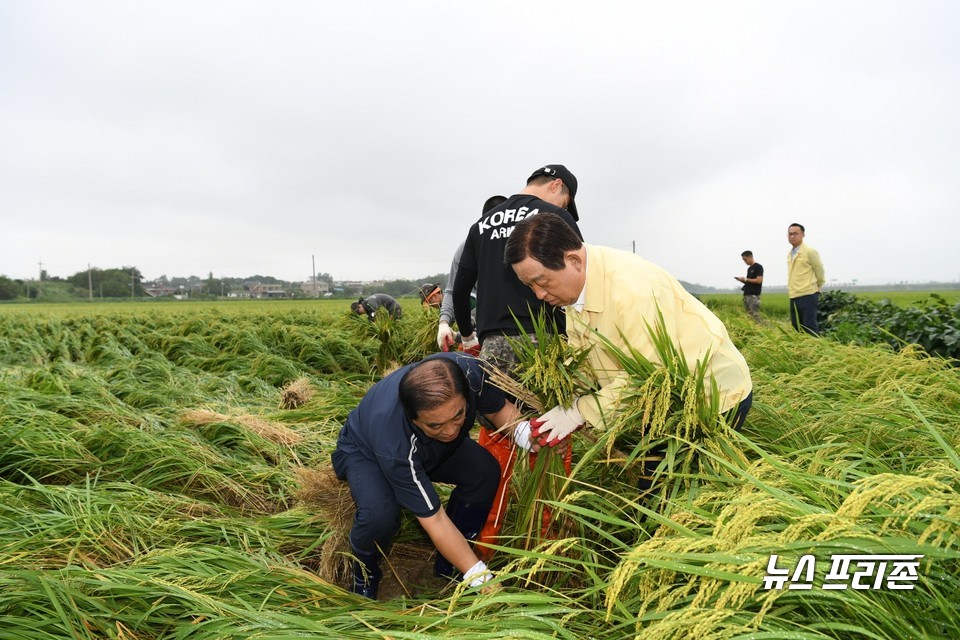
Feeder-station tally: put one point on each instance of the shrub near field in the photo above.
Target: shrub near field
(776, 305)
(928, 319)
(149, 489)
(933, 323)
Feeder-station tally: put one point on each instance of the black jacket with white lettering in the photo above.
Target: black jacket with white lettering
(499, 291)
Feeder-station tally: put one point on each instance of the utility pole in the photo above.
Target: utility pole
(133, 283)
(40, 281)
(633, 246)
(313, 261)
(89, 282)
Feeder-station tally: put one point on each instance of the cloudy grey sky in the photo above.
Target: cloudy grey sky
(242, 138)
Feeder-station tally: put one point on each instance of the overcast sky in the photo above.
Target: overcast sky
(243, 138)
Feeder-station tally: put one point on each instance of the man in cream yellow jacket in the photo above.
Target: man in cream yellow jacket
(805, 277)
(616, 294)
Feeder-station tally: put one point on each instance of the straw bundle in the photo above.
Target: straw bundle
(296, 394)
(273, 431)
(322, 489)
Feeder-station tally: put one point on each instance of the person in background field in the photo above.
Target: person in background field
(431, 295)
(410, 430)
(446, 337)
(805, 277)
(368, 306)
(752, 284)
(617, 294)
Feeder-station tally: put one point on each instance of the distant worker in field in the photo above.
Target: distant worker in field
(410, 430)
(805, 277)
(431, 295)
(368, 306)
(752, 284)
(446, 336)
(617, 295)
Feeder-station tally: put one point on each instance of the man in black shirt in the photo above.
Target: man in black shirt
(502, 300)
(752, 285)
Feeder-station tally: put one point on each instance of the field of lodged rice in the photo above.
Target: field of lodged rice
(153, 466)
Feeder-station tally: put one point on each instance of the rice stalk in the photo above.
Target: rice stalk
(545, 375)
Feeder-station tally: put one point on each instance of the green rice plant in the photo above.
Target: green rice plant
(844, 394)
(22, 349)
(350, 357)
(92, 525)
(315, 357)
(545, 376)
(419, 334)
(105, 350)
(274, 370)
(246, 437)
(664, 410)
(105, 524)
(148, 382)
(320, 351)
(179, 461)
(717, 567)
(380, 332)
(32, 444)
(186, 591)
(547, 366)
(190, 351)
(244, 340)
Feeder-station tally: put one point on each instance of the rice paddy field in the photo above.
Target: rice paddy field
(163, 475)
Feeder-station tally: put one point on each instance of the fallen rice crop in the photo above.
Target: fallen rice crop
(154, 484)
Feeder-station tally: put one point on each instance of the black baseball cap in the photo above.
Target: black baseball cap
(570, 180)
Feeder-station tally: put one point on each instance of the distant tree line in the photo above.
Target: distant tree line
(103, 283)
(109, 283)
(10, 289)
(126, 282)
(405, 288)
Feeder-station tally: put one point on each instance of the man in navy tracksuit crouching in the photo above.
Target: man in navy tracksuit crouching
(412, 429)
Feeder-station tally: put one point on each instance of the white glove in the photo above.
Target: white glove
(521, 435)
(445, 337)
(477, 574)
(556, 424)
(471, 344)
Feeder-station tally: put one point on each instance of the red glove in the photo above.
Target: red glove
(556, 424)
(535, 425)
(471, 345)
